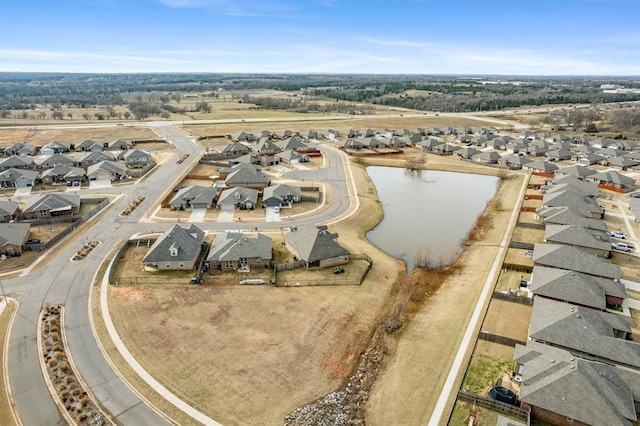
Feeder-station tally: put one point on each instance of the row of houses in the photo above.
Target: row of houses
(15, 235)
(579, 365)
(56, 147)
(180, 249)
(239, 197)
(135, 158)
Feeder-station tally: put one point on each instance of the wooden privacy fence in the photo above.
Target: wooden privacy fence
(503, 340)
(481, 401)
(523, 300)
(517, 267)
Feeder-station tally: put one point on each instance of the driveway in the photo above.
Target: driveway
(225, 216)
(197, 215)
(23, 190)
(272, 215)
(99, 184)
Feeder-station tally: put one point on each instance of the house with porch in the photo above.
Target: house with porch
(176, 249)
(194, 197)
(62, 174)
(238, 198)
(65, 204)
(278, 195)
(18, 178)
(233, 250)
(316, 247)
(13, 237)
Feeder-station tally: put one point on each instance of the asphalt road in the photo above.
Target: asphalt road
(68, 283)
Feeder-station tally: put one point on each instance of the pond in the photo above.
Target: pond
(427, 214)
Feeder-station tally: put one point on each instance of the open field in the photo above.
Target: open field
(39, 137)
(342, 124)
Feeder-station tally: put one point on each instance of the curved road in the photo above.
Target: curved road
(68, 283)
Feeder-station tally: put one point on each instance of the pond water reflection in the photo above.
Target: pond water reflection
(427, 213)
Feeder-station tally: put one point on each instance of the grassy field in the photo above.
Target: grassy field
(39, 137)
(508, 319)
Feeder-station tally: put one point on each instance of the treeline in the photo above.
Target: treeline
(303, 106)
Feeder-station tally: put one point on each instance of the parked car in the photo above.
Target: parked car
(623, 247)
(34, 241)
(618, 234)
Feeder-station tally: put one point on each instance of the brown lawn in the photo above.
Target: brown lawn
(508, 319)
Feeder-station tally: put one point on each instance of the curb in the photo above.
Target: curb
(5, 363)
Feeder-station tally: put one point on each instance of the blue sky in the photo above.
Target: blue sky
(526, 37)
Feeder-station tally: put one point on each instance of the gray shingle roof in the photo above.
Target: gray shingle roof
(572, 258)
(13, 233)
(231, 246)
(312, 243)
(187, 240)
(586, 206)
(586, 391)
(577, 236)
(244, 175)
(583, 330)
(194, 194)
(8, 208)
(238, 196)
(576, 170)
(53, 202)
(568, 216)
(575, 287)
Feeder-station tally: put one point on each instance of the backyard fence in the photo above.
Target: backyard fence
(523, 300)
(528, 225)
(481, 401)
(332, 281)
(502, 340)
(517, 267)
(520, 245)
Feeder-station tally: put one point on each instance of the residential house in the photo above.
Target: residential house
(559, 154)
(62, 174)
(294, 143)
(585, 332)
(266, 147)
(238, 198)
(194, 197)
(316, 247)
(590, 158)
(427, 145)
(589, 240)
(54, 147)
(540, 166)
(576, 170)
(176, 249)
(444, 149)
(107, 170)
(243, 137)
(88, 145)
(614, 179)
(278, 195)
(119, 145)
(18, 178)
(569, 257)
(350, 144)
(570, 183)
(96, 157)
(233, 250)
(247, 177)
(8, 210)
(17, 162)
(13, 237)
(292, 157)
(234, 150)
(514, 162)
(52, 205)
(490, 157)
(136, 158)
(588, 207)
(576, 288)
(564, 389)
(373, 143)
(623, 163)
(568, 216)
(21, 149)
(466, 153)
(56, 160)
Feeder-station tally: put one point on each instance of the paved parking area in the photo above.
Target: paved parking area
(197, 215)
(225, 216)
(272, 215)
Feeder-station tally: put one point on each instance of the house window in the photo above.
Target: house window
(168, 265)
(329, 260)
(229, 264)
(173, 251)
(182, 264)
(43, 213)
(341, 258)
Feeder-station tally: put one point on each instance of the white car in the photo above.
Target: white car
(623, 247)
(618, 234)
